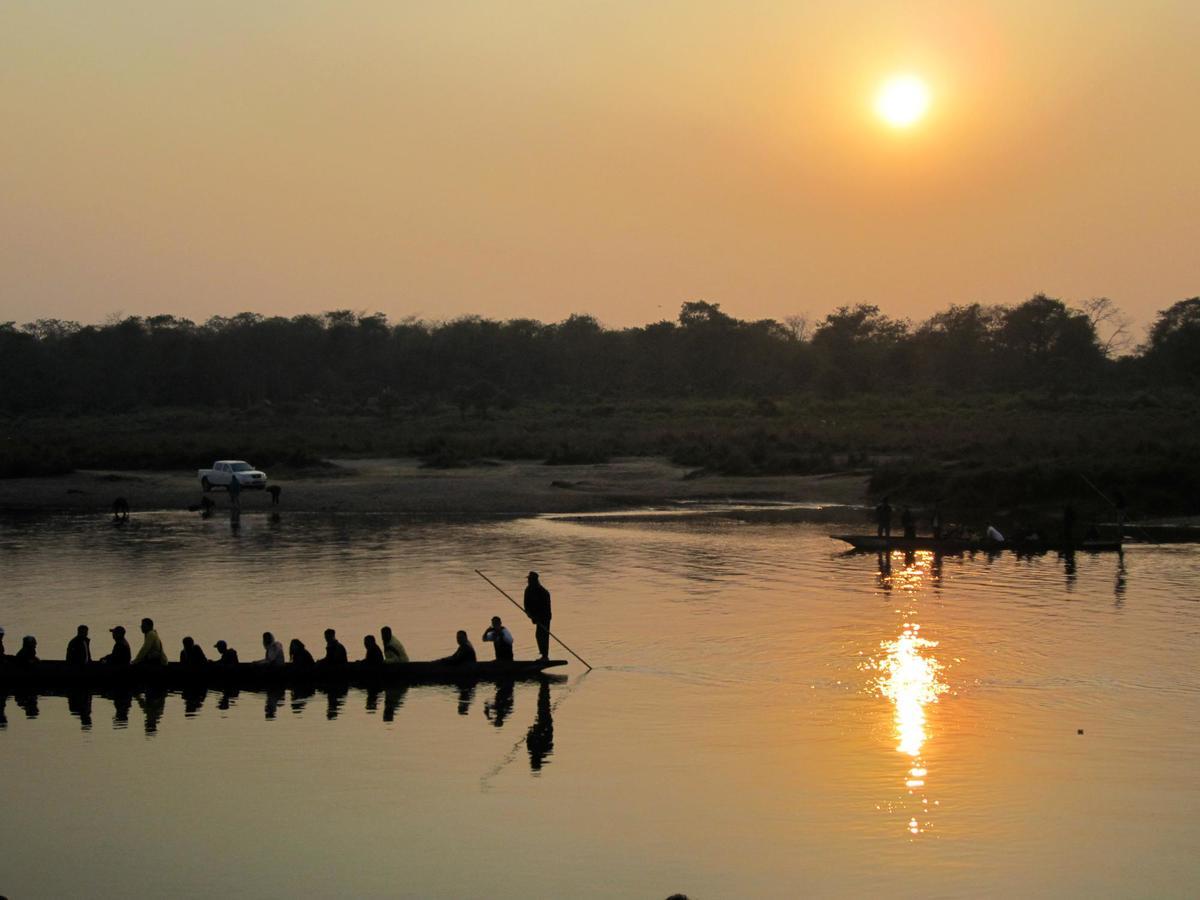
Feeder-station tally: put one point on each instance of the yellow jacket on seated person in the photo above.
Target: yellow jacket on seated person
(152, 650)
(393, 650)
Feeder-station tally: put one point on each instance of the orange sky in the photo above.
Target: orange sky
(543, 158)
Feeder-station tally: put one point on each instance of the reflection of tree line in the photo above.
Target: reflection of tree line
(539, 739)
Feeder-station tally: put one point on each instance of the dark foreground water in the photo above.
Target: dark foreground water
(767, 717)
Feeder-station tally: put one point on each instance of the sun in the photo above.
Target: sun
(902, 101)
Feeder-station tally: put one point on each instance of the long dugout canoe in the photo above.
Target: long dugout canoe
(870, 542)
(59, 675)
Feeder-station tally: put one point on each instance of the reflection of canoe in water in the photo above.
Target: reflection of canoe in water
(961, 545)
(56, 674)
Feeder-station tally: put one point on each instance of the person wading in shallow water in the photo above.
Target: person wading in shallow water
(537, 607)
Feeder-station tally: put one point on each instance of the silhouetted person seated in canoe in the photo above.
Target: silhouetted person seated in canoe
(27, 655)
(374, 655)
(151, 653)
(335, 651)
(273, 655)
(463, 655)
(500, 638)
(121, 654)
(79, 648)
(908, 522)
(299, 654)
(883, 518)
(274, 490)
(227, 655)
(120, 508)
(192, 654)
(393, 650)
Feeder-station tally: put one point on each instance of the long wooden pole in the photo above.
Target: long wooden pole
(1120, 537)
(518, 606)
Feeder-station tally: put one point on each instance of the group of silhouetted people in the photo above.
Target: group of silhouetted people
(387, 650)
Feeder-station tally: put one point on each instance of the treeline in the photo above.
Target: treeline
(349, 362)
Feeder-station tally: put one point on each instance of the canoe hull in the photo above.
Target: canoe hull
(58, 675)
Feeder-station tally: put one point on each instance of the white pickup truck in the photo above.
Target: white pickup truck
(223, 471)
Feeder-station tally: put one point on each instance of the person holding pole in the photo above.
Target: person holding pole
(549, 633)
(537, 607)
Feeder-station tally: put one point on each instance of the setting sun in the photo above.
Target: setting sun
(902, 100)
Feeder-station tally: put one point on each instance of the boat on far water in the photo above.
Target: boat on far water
(59, 675)
(875, 544)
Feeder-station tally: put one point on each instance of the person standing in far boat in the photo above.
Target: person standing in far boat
(537, 607)
(883, 518)
(274, 490)
(1, 643)
(27, 655)
(274, 651)
(151, 653)
(192, 653)
(121, 653)
(393, 650)
(79, 648)
(299, 654)
(501, 639)
(1068, 525)
(994, 535)
(935, 522)
(335, 651)
(908, 523)
(374, 655)
(235, 490)
(228, 656)
(463, 655)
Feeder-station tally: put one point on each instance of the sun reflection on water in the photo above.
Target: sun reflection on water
(908, 675)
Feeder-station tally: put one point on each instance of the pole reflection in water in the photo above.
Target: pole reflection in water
(908, 676)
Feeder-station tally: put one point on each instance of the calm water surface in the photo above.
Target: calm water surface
(768, 717)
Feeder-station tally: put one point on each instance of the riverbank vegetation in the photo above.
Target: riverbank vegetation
(981, 406)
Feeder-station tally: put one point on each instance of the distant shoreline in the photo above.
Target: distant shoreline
(404, 487)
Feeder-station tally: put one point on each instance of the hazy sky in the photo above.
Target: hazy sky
(543, 158)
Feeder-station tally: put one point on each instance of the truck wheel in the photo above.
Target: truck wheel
(205, 484)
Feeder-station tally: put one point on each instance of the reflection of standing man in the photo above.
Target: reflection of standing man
(537, 607)
(539, 740)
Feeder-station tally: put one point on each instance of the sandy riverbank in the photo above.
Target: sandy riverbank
(401, 486)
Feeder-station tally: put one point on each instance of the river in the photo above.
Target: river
(767, 717)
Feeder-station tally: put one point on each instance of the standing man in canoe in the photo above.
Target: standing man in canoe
(537, 607)
(883, 518)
